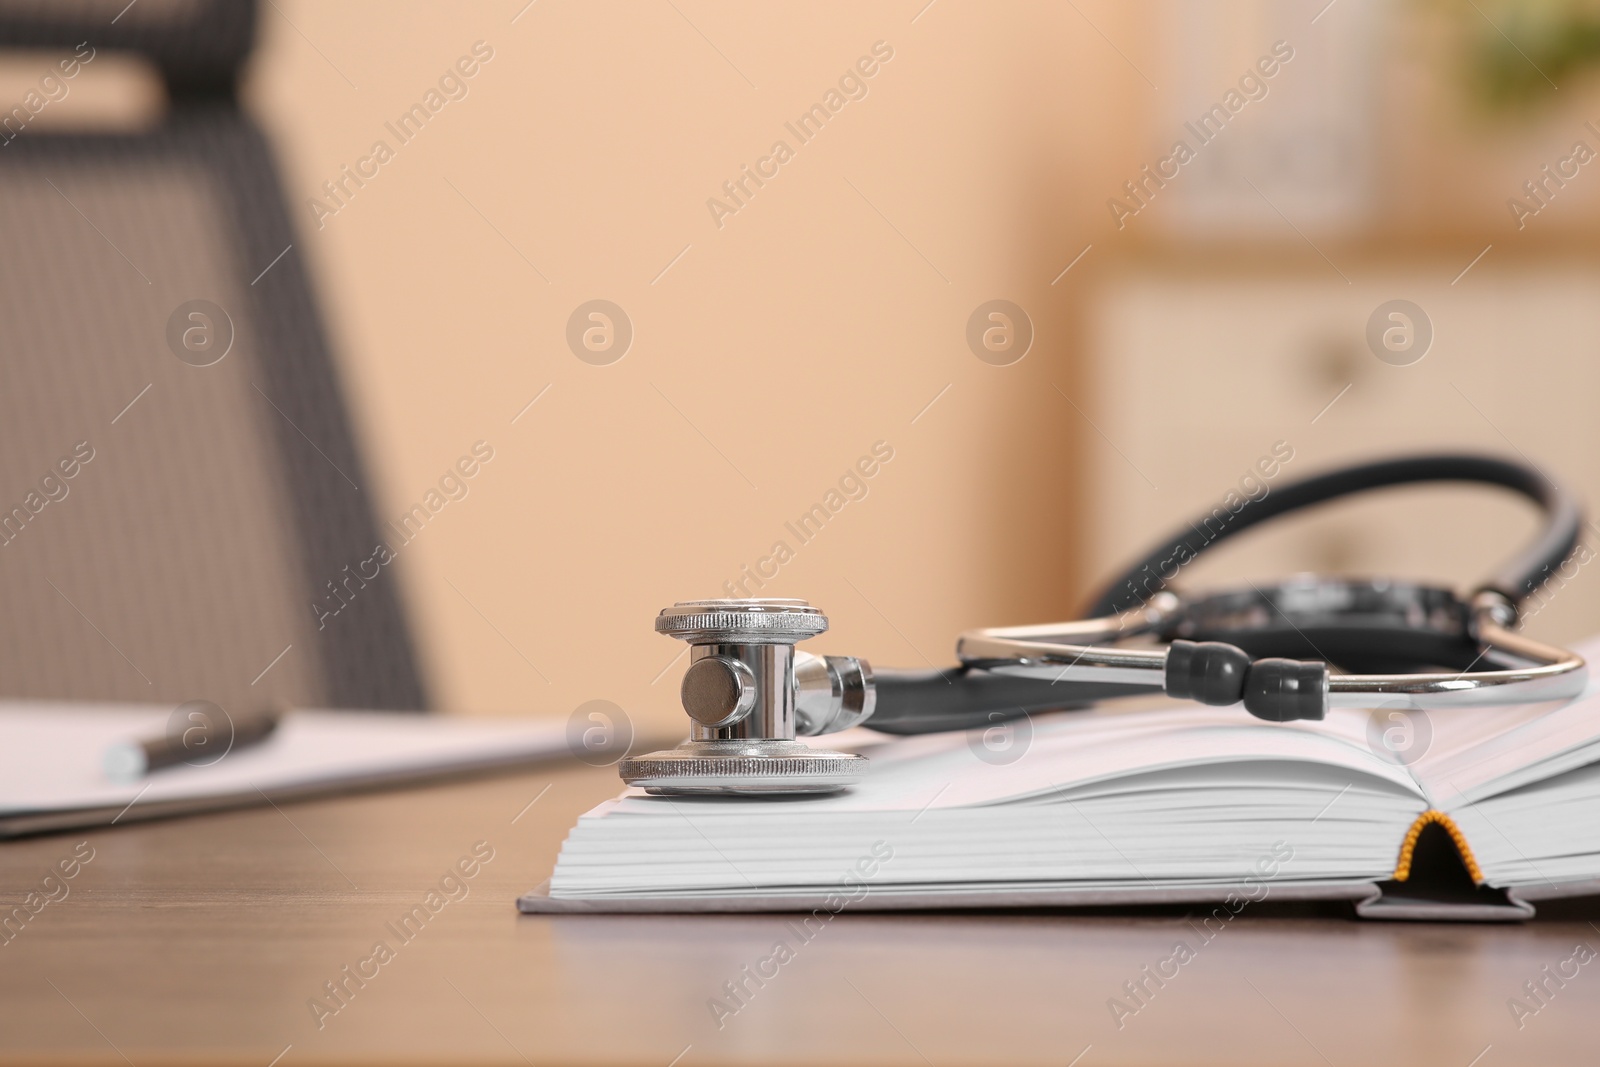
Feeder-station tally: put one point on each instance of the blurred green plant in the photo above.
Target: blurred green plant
(1521, 50)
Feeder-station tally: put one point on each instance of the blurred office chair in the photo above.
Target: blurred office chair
(216, 537)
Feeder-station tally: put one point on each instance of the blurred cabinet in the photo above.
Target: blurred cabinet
(1300, 102)
(1200, 371)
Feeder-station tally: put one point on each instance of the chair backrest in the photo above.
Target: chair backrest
(183, 510)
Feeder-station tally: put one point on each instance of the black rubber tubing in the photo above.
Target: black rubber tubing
(1210, 672)
(956, 698)
(960, 698)
(1515, 579)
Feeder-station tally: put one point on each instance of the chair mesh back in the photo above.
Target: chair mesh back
(197, 44)
(172, 527)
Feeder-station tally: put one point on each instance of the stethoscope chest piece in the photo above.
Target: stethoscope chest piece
(747, 691)
(1286, 652)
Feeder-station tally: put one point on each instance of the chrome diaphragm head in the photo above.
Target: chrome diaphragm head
(747, 692)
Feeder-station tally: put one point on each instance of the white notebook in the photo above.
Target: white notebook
(1168, 802)
(52, 775)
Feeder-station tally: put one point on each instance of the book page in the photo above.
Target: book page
(1032, 759)
(1474, 753)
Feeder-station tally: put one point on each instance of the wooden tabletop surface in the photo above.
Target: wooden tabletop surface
(212, 940)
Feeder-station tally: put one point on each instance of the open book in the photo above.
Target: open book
(1149, 804)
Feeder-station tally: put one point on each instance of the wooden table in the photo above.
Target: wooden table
(206, 940)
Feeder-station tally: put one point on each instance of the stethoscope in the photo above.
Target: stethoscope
(1286, 651)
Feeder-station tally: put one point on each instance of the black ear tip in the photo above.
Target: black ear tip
(1283, 690)
(1210, 672)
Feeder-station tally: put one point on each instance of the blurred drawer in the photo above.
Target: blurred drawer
(1195, 378)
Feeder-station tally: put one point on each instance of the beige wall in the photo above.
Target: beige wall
(819, 319)
(771, 352)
